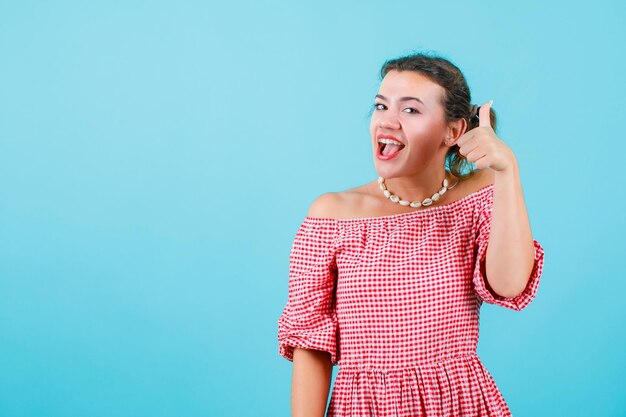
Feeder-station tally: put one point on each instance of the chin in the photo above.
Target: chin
(385, 172)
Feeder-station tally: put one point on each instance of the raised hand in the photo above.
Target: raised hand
(482, 147)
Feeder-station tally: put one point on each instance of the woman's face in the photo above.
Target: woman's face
(408, 109)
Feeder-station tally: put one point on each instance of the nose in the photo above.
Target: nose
(389, 122)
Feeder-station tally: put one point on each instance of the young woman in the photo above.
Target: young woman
(387, 279)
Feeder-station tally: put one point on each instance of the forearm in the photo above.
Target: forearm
(510, 250)
(312, 373)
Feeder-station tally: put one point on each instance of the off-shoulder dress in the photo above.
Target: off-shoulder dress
(395, 300)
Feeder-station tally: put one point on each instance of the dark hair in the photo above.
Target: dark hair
(456, 98)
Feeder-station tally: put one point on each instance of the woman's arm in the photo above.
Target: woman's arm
(312, 369)
(310, 384)
(510, 252)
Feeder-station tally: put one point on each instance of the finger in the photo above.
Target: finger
(484, 114)
(466, 137)
(469, 147)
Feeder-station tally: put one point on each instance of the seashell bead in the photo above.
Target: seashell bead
(414, 204)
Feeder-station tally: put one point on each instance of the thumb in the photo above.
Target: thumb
(484, 114)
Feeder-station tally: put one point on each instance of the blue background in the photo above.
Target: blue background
(156, 159)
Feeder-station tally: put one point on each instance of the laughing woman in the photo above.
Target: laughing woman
(387, 279)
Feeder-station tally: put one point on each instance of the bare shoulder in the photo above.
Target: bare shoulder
(325, 205)
(340, 204)
(367, 201)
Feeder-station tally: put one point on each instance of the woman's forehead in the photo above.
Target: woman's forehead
(409, 83)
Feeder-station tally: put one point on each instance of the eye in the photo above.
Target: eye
(412, 110)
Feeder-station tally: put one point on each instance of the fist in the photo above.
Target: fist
(483, 147)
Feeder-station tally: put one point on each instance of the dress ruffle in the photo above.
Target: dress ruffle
(479, 281)
(521, 300)
(459, 386)
(313, 331)
(308, 320)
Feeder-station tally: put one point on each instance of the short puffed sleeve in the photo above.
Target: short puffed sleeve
(308, 319)
(480, 283)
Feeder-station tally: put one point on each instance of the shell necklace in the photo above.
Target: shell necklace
(426, 202)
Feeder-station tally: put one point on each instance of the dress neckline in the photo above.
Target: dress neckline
(428, 210)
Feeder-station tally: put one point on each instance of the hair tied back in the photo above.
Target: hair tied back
(473, 111)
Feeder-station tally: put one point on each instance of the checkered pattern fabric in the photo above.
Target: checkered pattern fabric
(395, 301)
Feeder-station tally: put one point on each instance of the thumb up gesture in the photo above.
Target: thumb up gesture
(482, 147)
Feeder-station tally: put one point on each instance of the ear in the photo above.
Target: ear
(456, 129)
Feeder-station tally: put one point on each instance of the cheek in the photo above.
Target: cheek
(423, 130)
(423, 139)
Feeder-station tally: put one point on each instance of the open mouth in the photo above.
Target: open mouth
(388, 149)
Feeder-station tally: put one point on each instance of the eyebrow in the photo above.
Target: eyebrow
(402, 98)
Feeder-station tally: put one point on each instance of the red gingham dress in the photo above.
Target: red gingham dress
(395, 300)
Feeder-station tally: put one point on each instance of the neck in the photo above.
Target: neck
(419, 186)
